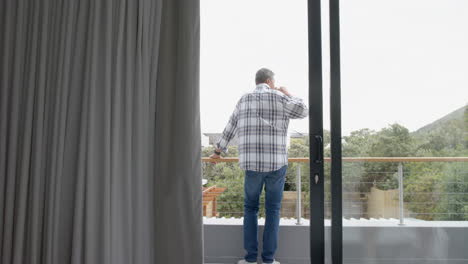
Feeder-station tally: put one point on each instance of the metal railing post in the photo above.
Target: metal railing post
(400, 192)
(299, 196)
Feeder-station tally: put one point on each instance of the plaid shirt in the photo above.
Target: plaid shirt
(261, 121)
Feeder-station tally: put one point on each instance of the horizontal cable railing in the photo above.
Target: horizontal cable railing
(373, 187)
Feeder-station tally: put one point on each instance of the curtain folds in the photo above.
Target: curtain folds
(100, 132)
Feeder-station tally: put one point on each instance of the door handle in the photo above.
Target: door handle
(319, 141)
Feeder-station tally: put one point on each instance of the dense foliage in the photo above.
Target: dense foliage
(433, 190)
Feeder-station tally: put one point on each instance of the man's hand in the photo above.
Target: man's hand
(283, 90)
(215, 156)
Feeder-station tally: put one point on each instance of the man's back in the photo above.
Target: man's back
(261, 121)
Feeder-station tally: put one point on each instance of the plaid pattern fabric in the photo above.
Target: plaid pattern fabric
(261, 121)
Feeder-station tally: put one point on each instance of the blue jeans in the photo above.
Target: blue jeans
(274, 186)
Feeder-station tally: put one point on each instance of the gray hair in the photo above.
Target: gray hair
(263, 75)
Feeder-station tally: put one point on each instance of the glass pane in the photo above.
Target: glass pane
(404, 96)
(238, 38)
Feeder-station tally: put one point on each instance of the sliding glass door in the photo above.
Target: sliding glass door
(388, 131)
(404, 95)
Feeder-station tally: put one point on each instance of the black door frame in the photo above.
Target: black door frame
(317, 228)
(335, 134)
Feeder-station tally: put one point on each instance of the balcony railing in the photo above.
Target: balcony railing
(426, 188)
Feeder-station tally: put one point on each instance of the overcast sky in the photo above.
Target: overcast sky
(403, 61)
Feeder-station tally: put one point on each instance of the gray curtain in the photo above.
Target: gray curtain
(100, 132)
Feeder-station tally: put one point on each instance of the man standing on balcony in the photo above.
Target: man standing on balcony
(260, 120)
